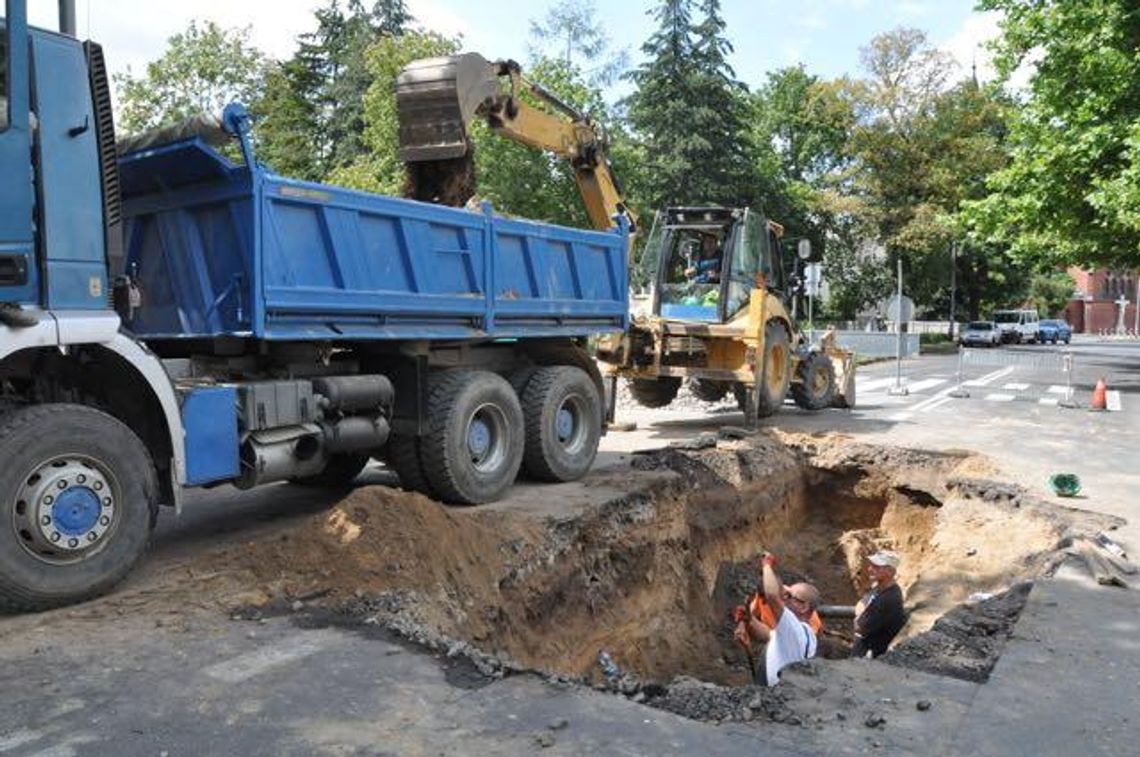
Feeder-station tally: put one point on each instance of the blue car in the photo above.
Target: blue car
(1054, 331)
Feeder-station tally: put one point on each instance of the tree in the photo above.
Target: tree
(377, 167)
(689, 111)
(202, 69)
(570, 31)
(1071, 192)
(1050, 292)
(320, 91)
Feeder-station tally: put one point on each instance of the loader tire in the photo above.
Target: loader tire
(655, 393)
(816, 388)
(473, 446)
(78, 503)
(562, 411)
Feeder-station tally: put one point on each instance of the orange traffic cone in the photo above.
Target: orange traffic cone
(1100, 396)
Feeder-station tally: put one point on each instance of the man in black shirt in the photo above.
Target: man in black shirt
(879, 616)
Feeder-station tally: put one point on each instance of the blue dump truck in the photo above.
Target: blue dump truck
(170, 319)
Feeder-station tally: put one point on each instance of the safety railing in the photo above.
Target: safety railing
(1011, 375)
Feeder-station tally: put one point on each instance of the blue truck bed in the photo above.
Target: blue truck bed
(219, 249)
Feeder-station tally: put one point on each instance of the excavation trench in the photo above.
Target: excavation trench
(651, 576)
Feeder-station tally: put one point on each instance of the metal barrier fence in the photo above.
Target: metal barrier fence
(999, 375)
(872, 343)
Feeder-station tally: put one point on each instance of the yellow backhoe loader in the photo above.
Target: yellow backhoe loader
(720, 283)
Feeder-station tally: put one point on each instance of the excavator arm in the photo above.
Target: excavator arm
(437, 98)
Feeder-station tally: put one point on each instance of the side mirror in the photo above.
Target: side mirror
(803, 249)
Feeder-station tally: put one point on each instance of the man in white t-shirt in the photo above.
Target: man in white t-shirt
(793, 639)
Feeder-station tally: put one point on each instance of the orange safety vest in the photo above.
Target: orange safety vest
(763, 611)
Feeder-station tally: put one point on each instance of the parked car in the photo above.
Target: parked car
(1017, 325)
(983, 333)
(1054, 331)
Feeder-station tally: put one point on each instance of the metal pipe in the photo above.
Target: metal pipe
(67, 24)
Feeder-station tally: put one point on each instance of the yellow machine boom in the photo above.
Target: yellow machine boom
(438, 97)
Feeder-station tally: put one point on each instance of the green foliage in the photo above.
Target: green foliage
(690, 111)
(1050, 292)
(311, 118)
(1071, 192)
(377, 167)
(202, 69)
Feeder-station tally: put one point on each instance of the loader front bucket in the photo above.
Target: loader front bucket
(436, 99)
(843, 364)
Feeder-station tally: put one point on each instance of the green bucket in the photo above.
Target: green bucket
(1065, 484)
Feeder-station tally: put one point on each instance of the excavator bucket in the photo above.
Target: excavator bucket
(843, 365)
(436, 99)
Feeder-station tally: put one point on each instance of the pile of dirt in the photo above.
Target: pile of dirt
(967, 641)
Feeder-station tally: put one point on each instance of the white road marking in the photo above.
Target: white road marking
(989, 378)
(999, 397)
(1051, 401)
(1112, 399)
(248, 665)
(933, 405)
(1015, 387)
(1055, 389)
(18, 738)
(919, 386)
(872, 384)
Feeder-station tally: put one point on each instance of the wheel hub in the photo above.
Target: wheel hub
(569, 428)
(64, 509)
(487, 436)
(564, 424)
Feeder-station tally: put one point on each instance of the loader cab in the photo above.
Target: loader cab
(710, 259)
(53, 156)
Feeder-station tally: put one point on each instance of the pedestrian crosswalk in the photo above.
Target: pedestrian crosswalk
(940, 392)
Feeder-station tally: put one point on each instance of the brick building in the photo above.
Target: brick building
(1094, 305)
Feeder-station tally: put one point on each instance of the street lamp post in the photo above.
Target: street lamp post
(953, 285)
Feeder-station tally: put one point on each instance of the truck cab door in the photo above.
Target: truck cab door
(71, 205)
(19, 280)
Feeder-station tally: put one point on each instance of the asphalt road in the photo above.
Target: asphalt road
(131, 686)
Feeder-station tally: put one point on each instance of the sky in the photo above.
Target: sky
(823, 35)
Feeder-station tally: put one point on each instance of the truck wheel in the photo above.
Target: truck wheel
(404, 457)
(708, 390)
(77, 504)
(777, 370)
(341, 470)
(654, 393)
(816, 388)
(563, 424)
(474, 443)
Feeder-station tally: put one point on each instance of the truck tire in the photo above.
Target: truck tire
(78, 503)
(473, 446)
(816, 387)
(562, 412)
(341, 470)
(404, 457)
(655, 393)
(777, 370)
(709, 390)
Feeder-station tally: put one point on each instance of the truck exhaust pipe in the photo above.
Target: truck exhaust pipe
(67, 23)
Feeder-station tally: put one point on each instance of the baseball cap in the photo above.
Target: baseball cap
(884, 559)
